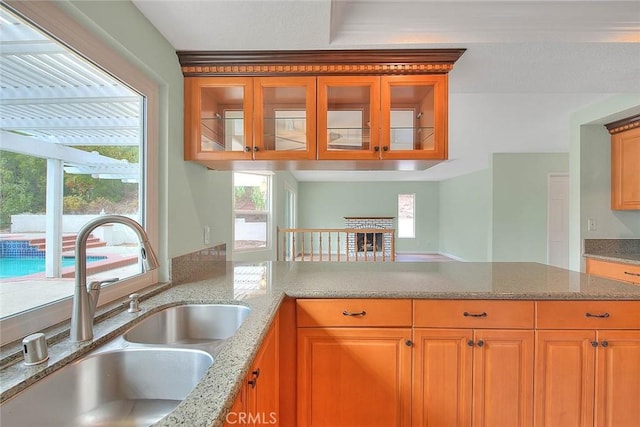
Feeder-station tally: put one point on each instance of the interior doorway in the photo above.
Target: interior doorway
(558, 220)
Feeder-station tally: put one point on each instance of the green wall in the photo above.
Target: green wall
(465, 205)
(520, 184)
(590, 178)
(325, 204)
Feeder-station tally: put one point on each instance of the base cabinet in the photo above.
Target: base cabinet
(257, 403)
(351, 371)
(449, 363)
(614, 270)
(473, 377)
(473, 363)
(354, 377)
(587, 364)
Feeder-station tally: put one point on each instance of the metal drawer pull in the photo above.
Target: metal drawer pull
(631, 273)
(467, 314)
(601, 316)
(349, 313)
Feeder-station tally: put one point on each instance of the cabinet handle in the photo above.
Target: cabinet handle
(470, 343)
(247, 149)
(630, 273)
(351, 313)
(594, 343)
(605, 343)
(408, 343)
(253, 382)
(256, 149)
(600, 316)
(376, 149)
(480, 343)
(467, 314)
(385, 148)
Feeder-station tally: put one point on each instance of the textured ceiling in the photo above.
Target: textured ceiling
(529, 63)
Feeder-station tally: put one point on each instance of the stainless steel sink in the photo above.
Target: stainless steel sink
(125, 387)
(203, 325)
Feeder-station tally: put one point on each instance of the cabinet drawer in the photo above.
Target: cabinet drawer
(473, 314)
(588, 315)
(614, 270)
(353, 312)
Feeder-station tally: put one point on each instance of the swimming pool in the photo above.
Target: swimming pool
(16, 267)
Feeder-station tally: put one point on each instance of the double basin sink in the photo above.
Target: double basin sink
(136, 379)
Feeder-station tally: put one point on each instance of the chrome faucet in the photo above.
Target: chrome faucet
(85, 297)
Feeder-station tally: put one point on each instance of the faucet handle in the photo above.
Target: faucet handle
(97, 284)
(134, 304)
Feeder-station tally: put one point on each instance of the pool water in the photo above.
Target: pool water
(16, 267)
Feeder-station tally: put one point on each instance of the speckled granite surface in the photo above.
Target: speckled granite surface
(263, 286)
(616, 250)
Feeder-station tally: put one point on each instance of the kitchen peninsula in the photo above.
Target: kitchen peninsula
(547, 298)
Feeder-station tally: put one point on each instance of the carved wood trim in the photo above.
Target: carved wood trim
(623, 125)
(318, 62)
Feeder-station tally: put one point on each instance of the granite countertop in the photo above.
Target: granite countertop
(626, 251)
(262, 286)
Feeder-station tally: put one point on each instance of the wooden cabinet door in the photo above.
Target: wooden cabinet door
(218, 118)
(565, 368)
(617, 392)
(442, 377)
(354, 377)
(258, 401)
(480, 378)
(266, 394)
(625, 173)
(414, 117)
(348, 117)
(284, 118)
(503, 378)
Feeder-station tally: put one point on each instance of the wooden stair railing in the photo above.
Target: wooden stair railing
(335, 244)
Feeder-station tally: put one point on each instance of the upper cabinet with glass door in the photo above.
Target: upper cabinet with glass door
(414, 117)
(388, 117)
(218, 118)
(348, 112)
(333, 109)
(285, 118)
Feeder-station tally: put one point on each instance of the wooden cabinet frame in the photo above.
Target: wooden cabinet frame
(379, 68)
(625, 173)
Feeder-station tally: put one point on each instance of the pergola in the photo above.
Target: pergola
(52, 100)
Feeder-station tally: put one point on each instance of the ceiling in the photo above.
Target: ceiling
(529, 63)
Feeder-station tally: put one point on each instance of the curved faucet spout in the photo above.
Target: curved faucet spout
(84, 299)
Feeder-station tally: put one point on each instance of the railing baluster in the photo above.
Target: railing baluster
(297, 246)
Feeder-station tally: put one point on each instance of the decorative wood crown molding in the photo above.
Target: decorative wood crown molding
(623, 125)
(318, 62)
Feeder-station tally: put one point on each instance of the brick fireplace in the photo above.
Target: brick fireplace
(356, 241)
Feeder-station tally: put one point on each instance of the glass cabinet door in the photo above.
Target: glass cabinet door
(285, 118)
(348, 111)
(414, 120)
(219, 125)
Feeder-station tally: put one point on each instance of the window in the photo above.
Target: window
(76, 142)
(406, 216)
(251, 211)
